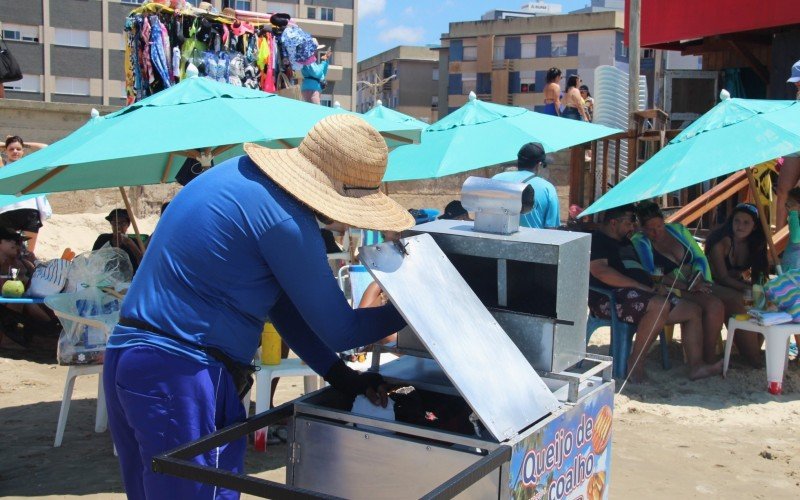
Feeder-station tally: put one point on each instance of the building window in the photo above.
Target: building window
(470, 53)
(326, 14)
(133, 1)
(558, 46)
(29, 83)
(499, 53)
(71, 38)
(326, 101)
(20, 33)
(648, 53)
(527, 81)
(623, 50)
(469, 82)
(312, 13)
(72, 86)
(435, 102)
(242, 5)
(282, 7)
(436, 74)
(528, 50)
(193, 2)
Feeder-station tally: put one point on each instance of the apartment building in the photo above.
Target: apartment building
(413, 85)
(73, 50)
(506, 61)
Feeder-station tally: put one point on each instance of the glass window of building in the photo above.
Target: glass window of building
(436, 74)
(29, 83)
(469, 82)
(311, 13)
(326, 14)
(72, 86)
(283, 7)
(242, 5)
(71, 38)
(470, 53)
(499, 53)
(558, 46)
(20, 33)
(527, 81)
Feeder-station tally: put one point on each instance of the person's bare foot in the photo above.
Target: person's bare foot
(704, 371)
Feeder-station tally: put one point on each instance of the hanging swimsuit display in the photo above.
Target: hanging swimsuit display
(162, 41)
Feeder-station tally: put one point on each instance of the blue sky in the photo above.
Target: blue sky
(384, 24)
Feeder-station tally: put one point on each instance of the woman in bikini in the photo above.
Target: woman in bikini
(552, 92)
(736, 249)
(671, 248)
(574, 107)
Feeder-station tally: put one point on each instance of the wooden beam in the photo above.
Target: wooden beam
(710, 199)
(133, 219)
(577, 164)
(167, 168)
(751, 59)
(41, 180)
(604, 186)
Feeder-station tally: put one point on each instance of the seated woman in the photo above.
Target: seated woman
(737, 250)
(118, 238)
(21, 321)
(671, 249)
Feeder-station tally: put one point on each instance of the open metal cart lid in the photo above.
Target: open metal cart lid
(472, 349)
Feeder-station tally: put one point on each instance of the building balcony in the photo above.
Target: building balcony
(321, 29)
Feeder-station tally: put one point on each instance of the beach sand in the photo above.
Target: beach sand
(714, 438)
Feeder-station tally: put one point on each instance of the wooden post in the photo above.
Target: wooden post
(132, 217)
(577, 167)
(634, 39)
(763, 218)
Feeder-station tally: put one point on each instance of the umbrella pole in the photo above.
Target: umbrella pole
(763, 218)
(133, 219)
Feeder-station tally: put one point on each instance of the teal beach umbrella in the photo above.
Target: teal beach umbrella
(480, 134)
(390, 115)
(734, 134)
(147, 142)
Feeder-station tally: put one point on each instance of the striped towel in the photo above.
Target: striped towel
(784, 292)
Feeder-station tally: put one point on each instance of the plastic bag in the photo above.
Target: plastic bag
(87, 317)
(49, 278)
(101, 268)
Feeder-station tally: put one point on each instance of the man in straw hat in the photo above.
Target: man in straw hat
(240, 245)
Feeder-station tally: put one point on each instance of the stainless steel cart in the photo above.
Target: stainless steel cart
(496, 324)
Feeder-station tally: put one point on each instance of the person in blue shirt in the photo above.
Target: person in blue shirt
(530, 164)
(314, 76)
(239, 246)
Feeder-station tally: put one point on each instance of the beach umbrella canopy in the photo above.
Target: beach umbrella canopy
(734, 134)
(480, 134)
(390, 115)
(147, 142)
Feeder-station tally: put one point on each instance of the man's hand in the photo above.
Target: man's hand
(351, 382)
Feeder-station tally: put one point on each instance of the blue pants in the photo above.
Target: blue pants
(157, 401)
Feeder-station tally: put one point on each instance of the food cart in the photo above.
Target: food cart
(495, 347)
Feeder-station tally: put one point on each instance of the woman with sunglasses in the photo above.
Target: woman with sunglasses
(736, 250)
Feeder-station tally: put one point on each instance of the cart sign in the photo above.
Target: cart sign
(571, 458)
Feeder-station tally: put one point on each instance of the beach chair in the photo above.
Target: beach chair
(621, 337)
(65, 306)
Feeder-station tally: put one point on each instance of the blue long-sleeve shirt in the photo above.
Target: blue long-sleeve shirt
(316, 70)
(232, 250)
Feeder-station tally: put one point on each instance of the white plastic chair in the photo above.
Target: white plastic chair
(776, 344)
(64, 306)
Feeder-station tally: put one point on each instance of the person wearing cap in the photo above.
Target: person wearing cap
(455, 211)
(239, 246)
(789, 173)
(36, 316)
(118, 237)
(314, 76)
(530, 165)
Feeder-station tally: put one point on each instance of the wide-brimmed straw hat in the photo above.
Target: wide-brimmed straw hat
(337, 171)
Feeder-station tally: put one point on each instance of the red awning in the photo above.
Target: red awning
(666, 22)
